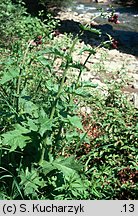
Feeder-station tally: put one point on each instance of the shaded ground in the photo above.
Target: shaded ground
(33, 6)
(127, 41)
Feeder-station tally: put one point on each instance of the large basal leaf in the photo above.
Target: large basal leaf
(69, 162)
(70, 168)
(16, 138)
(47, 167)
(67, 166)
(9, 75)
(31, 181)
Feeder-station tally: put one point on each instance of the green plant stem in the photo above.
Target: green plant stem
(18, 91)
(81, 69)
(5, 94)
(71, 98)
(19, 78)
(57, 97)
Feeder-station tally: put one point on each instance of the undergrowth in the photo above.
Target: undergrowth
(49, 147)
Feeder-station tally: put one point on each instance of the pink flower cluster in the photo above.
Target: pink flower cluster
(114, 19)
(115, 44)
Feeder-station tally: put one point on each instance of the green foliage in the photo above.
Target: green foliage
(114, 147)
(18, 25)
(49, 149)
(16, 138)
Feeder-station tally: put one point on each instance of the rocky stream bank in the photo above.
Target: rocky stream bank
(123, 58)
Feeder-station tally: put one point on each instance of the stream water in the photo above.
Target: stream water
(126, 32)
(128, 15)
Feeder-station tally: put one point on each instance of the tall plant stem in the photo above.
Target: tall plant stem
(71, 98)
(57, 96)
(20, 77)
(81, 69)
(77, 82)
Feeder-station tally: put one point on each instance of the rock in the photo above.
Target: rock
(135, 100)
(86, 110)
(89, 15)
(86, 21)
(75, 14)
(100, 1)
(136, 84)
(80, 15)
(102, 87)
(69, 10)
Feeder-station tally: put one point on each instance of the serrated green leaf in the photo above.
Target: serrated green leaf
(29, 107)
(45, 125)
(88, 28)
(52, 86)
(75, 121)
(66, 165)
(87, 49)
(16, 138)
(89, 84)
(69, 162)
(47, 167)
(9, 75)
(45, 62)
(32, 125)
(31, 181)
(53, 50)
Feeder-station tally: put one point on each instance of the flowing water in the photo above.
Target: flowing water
(128, 15)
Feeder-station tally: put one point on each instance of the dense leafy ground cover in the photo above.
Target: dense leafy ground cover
(49, 148)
